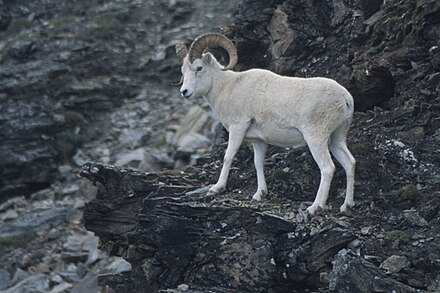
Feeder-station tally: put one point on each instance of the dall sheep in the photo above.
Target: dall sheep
(265, 108)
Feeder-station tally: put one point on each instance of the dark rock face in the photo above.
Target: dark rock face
(377, 51)
(5, 18)
(54, 61)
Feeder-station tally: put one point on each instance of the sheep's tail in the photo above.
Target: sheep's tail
(349, 103)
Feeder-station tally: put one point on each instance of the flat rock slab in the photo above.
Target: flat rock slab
(173, 234)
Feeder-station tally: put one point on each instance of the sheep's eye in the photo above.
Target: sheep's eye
(199, 68)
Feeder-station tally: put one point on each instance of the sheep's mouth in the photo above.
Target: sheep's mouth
(188, 96)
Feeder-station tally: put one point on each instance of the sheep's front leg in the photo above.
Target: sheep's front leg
(260, 148)
(236, 136)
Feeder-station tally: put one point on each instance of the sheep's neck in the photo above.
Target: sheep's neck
(221, 86)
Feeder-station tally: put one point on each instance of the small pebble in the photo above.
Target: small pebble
(183, 288)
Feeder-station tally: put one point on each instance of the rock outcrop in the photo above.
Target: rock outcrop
(385, 54)
(173, 234)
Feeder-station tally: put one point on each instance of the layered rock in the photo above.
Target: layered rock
(175, 237)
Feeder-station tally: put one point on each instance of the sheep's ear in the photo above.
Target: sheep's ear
(207, 58)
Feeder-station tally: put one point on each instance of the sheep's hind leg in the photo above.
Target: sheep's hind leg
(260, 148)
(236, 136)
(338, 148)
(321, 154)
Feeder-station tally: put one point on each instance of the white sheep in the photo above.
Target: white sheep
(265, 108)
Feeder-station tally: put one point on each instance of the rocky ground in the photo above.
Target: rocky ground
(75, 74)
(89, 81)
(86, 81)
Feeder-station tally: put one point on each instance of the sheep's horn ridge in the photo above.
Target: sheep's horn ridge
(181, 51)
(210, 40)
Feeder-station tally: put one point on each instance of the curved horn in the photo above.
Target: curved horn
(181, 51)
(178, 83)
(211, 40)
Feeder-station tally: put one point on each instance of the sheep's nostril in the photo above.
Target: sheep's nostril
(184, 92)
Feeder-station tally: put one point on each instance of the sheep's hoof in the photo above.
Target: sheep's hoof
(259, 195)
(346, 207)
(254, 201)
(211, 192)
(314, 209)
(214, 190)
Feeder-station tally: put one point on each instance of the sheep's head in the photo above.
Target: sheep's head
(198, 67)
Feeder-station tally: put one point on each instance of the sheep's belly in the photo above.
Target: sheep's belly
(283, 137)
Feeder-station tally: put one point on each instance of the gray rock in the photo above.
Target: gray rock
(38, 283)
(13, 202)
(65, 170)
(70, 277)
(190, 135)
(366, 230)
(5, 279)
(354, 274)
(281, 33)
(19, 275)
(63, 287)
(35, 221)
(22, 49)
(44, 194)
(131, 159)
(8, 215)
(413, 217)
(82, 248)
(88, 284)
(183, 288)
(119, 265)
(193, 141)
(70, 189)
(40, 221)
(132, 138)
(56, 279)
(79, 203)
(80, 158)
(395, 263)
(144, 159)
(90, 281)
(74, 215)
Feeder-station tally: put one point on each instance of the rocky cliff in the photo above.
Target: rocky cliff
(386, 54)
(67, 67)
